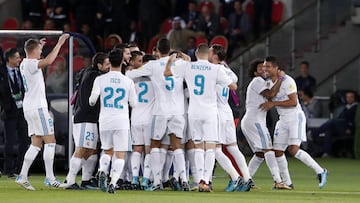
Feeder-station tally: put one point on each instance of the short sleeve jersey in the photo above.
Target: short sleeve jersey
(287, 87)
(201, 77)
(254, 97)
(145, 101)
(169, 93)
(116, 92)
(223, 94)
(34, 85)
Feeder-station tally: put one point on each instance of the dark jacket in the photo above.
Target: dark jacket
(83, 112)
(7, 102)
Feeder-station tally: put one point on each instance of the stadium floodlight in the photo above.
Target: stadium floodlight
(84, 46)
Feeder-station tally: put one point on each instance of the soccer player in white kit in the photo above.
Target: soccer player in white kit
(253, 124)
(201, 78)
(168, 115)
(116, 92)
(290, 129)
(141, 127)
(40, 124)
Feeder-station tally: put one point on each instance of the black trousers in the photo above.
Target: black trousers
(16, 141)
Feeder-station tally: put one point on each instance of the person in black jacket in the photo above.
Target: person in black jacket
(11, 96)
(85, 125)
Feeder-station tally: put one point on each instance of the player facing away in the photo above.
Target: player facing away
(290, 129)
(40, 124)
(85, 125)
(116, 92)
(253, 124)
(168, 115)
(201, 78)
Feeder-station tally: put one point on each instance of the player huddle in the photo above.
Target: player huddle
(180, 116)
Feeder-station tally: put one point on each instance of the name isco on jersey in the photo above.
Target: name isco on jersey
(198, 67)
(114, 80)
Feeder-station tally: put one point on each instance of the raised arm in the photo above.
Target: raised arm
(54, 53)
(167, 71)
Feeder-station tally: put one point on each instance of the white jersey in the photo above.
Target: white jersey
(116, 92)
(201, 77)
(223, 96)
(143, 112)
(287, 87)
(168, 90)
(254, 97)
(34, 85)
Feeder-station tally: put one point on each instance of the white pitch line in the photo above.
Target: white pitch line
(319, 192)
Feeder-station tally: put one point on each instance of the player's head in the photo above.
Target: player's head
(163, 46)
(148, 57)
(271, 66)
(304, 68)
(32, 47)
(116, 58)
(12, 57)
(126, 51)
(101, 62)
(202, 52)
(217, 53)
(136, 59)
(256, 68)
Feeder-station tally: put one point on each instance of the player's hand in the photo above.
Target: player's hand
(172, 57)
(281, 73)
(42, 41)
(63, 38)
(266, 106)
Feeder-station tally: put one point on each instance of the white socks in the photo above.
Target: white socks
(135, 163)
(272, 165)
(199, 156)
(117, 168)
(191, 157)
(284, 170)
(104, 163)
(48, 156)
(308, 160)
(29, 158)
(254, 164)
(209, 164)
(240, 161)
(88, 167)
(226, 164)
(156, 166)
(147, 167)
(179, 165)
(169, 158)
(75, 165)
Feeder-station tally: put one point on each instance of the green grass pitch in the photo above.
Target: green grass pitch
(343, 186)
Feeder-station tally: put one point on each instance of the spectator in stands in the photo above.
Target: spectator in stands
(191, 47)
(339, 126)
(178, 35)
(133, 35)
(191, 16)
(305, 80)
(57, 81)
(262, 12)
(84, 12)
(58, 11)
(311, 106)
(238, 27)
(49, 24)
(209, 22)
(27, 25)
(33, 10)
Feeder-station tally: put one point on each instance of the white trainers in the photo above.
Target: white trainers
(24, 183)
(54, 183)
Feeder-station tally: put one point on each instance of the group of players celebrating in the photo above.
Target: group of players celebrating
(180, 117)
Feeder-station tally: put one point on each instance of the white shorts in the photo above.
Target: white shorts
(227, 132)
(119, 140)
(256, 134)
(164, 125)
(204, 129)
(85, 135)
(290, 132)
(141, 134)
(39, 122)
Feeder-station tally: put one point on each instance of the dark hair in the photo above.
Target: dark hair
(308, 92)
(10, 53)
(273, 60)
(219, 51)
(148, 57)
(202, 48)
(163, 45)
(122, 46)
(31, 44)
(116, 57)
(253, 67)
(134, 54)
(305, 63)
(133, 44)
(99, 58)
